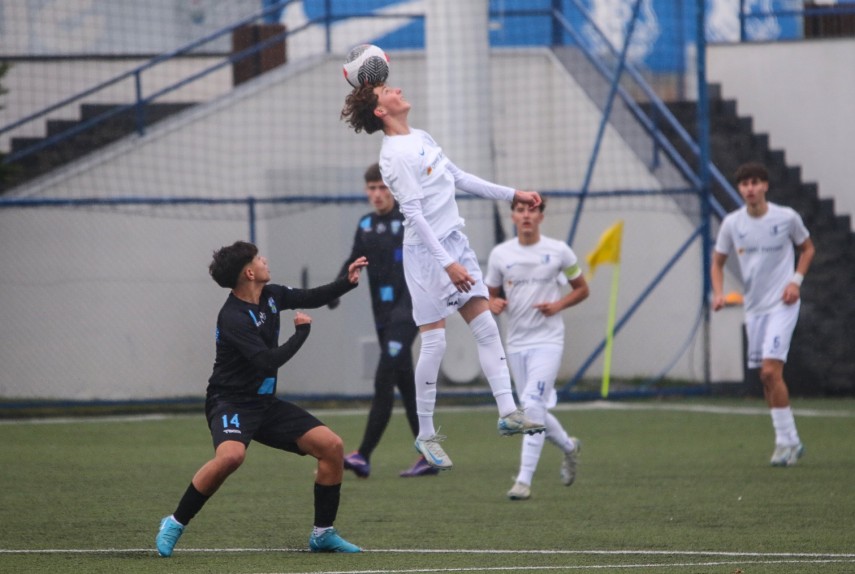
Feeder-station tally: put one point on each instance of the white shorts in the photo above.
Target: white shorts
(534, 372)
(434, 295)
(769, 335)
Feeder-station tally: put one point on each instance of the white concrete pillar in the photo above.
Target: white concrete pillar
(458, 72)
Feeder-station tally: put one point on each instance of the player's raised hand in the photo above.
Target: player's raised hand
(301, 318)
(530, 198)
(355, 269)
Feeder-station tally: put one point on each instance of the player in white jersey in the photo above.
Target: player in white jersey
(442, 272)
(527, 278)
(762, 235)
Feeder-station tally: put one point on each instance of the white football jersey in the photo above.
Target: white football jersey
(531, 274)
(764, 248)
(414, 167)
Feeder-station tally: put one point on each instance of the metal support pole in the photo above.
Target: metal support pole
(704, 177)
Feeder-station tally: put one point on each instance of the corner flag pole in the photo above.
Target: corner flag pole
(608, 251)
(610, 331)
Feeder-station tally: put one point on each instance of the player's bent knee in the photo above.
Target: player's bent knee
(230, 456)
(321, 442)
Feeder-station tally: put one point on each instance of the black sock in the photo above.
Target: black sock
(326, 504)
(191, 503)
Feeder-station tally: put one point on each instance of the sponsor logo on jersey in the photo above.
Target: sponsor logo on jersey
(272, 304)
(381, 228)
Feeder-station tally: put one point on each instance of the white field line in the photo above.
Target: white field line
(733, 558)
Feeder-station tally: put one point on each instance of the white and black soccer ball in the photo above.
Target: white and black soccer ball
(366, 64)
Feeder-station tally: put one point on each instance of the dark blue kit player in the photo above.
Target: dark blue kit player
(241, 404)
(379, 236)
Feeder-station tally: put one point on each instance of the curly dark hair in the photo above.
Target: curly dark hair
(358, 110)
(229, 261)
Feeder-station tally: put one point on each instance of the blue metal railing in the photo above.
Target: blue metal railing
(327, 20)
(136, 74)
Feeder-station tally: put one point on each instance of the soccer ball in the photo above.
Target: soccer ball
(366, 64)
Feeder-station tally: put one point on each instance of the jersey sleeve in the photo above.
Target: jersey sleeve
(412, 210)
(570, 263)
(476, 186)
(724, 241)
(493, 277)
(291, 298)
(799, 233)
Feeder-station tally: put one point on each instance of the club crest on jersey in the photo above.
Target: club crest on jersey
(396, 227)
(272, 304)
(394, 348)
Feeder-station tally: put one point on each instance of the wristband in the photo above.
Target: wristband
(797, 278)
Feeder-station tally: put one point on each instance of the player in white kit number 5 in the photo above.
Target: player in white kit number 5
(762, 235)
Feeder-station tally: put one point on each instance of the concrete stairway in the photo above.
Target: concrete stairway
(78, 145)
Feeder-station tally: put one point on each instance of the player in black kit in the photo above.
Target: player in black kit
(379, 237)
(241, 404)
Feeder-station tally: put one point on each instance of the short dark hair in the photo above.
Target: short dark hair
(358, 110)
(229, 261)
(751, 170)
(373, 173)
(541, 207)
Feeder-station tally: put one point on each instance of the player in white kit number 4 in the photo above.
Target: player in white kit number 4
(527, 278)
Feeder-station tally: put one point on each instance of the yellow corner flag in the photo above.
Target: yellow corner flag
(608, 248)
(608, 251)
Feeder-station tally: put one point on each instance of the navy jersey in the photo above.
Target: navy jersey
(244, 330)
(379, 238)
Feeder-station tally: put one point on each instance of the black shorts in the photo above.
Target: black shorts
(270, 421)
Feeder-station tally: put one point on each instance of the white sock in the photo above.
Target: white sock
(318, 530)
(493, 362)
(532, 446)
(556, 434)
(785, 427)
(426, 375)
